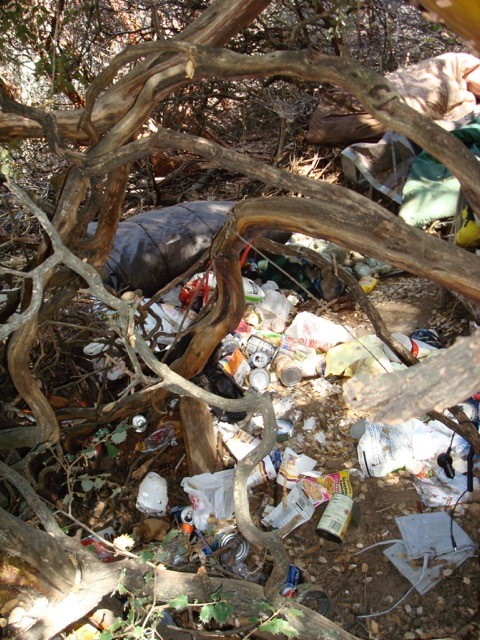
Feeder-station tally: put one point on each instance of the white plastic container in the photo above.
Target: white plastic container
(153, 495)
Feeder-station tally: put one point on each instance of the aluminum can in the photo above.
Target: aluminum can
(254, 343)
(259, 359)
(289, 587)
(221, 539)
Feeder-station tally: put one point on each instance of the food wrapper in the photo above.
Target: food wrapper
(321, 488)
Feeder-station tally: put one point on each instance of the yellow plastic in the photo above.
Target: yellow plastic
(368, 283)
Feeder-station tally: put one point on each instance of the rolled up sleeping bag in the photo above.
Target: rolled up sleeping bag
(152, 248)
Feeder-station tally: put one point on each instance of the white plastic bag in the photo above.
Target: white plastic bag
(210, 494)
(383, 448)
(316, 332)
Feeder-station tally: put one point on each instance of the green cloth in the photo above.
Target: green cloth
(431, 191)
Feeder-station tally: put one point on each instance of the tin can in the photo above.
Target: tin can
(289, 587)
(286, 370)
(240, 546)
(259, 379)
(316, 599)
(254, 343)
(284, 429)
(259, 359)
(336, 518)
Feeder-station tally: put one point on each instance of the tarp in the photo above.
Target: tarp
(153, 248)
(443, 88)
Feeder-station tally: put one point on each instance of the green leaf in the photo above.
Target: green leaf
(148, 578)
(277, 626)
(138, 632)
(99, 482)
(87, 484)
(145, 556)
(221, 612)
(116, 624)
(112, 450)
(89, 452)
(119, 434)
(171, 535)
(295, 613)
(105, 635)
(206, 612)
(180, 602)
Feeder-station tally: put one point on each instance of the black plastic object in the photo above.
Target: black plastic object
(445, 461)
(222, 384)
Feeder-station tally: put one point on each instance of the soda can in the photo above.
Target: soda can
(254, 343)
(183, 516)
(259, 359)
(289, 587)
(429, 336)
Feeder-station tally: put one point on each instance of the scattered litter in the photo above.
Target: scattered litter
(293, 465)
(290, 514)
(317, 332)
(103, 552)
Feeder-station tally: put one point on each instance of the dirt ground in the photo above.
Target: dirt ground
(367, 583)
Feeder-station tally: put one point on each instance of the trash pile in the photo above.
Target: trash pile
(273, 350)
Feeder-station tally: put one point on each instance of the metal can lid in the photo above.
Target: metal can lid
(290, 376)
(358, 428)
(259, 379)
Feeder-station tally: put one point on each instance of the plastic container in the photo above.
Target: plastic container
(153, 495)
